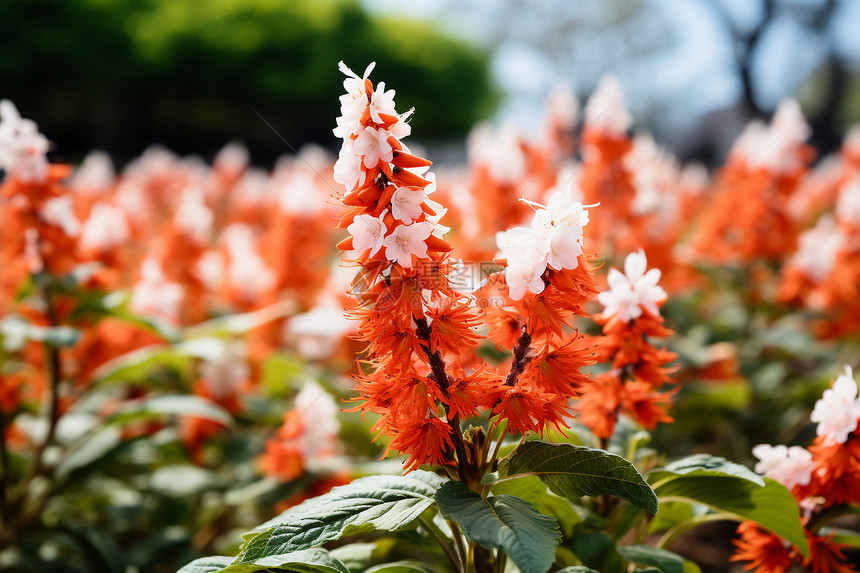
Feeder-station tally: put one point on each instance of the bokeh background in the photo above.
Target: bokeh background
(121, 75)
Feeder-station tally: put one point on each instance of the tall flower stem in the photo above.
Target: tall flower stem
(437, 366)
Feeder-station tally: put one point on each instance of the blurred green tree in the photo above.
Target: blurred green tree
(122, 74)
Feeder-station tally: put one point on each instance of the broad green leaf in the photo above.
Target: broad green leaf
(772, 506)
(665, 561)
(399, 567)
(671, 514)
(534, 491)
(354, 556)
(577, 569)
(308, 561)
(207, 565)
(704, 464)
(503, 522)
(598, 551)
(576, 471)
(381, 503)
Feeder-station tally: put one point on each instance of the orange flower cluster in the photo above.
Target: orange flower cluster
(421, 373)
(638, 369)
(749, 216)
(825, 476)
(306, 440)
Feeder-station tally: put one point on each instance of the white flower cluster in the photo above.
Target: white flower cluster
(838, 409)
(848, 203)
(789, 466)
(365, 147)
(633, 290)
(154, 295)
(774, 146)
(553, 239)
(22, 147)
(605, 110)
(817, 249)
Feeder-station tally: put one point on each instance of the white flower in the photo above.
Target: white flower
(406, 204)
(563, 248)
(193, 217)
(373, 145)
(61, 213)
(605, 110)
(354, 102)
(818, 248)
(499, 150)
(774, 146)
(368, 232)
(247, 272)
(789, 466)
(347, 168)
(22, 147)
(210, 268)
(634, 290)
(353, 84)
(318, 414)
(226, 369)
(405, 241)
(838, 409)
(848, 204)
(381, 101)
(96, 174)
(105, 229)
(155, 295)
(320, 330)
(526, 262)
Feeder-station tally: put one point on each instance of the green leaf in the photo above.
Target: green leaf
(207, 565)
(576, 471)
(503, 522)
(665, 561)
(577, 569)
(772, 506)
(671, 514)
(842, 536)
(534, 491)
(399, 567)
(355, 556)
(381, 503)
(96, 447)
(704, 464)
(308, 561)
(174, 405)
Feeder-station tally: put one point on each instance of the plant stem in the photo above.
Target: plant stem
(437, 366)
(54, 367)
(442, 542)
(458, 541)
(492, 459)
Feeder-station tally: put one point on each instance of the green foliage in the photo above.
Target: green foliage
(307, 561)
(707, 465)
(374, 503)
(189, 76)
(663, 560)
(576, 471)
(504, 522)
(772, 506)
